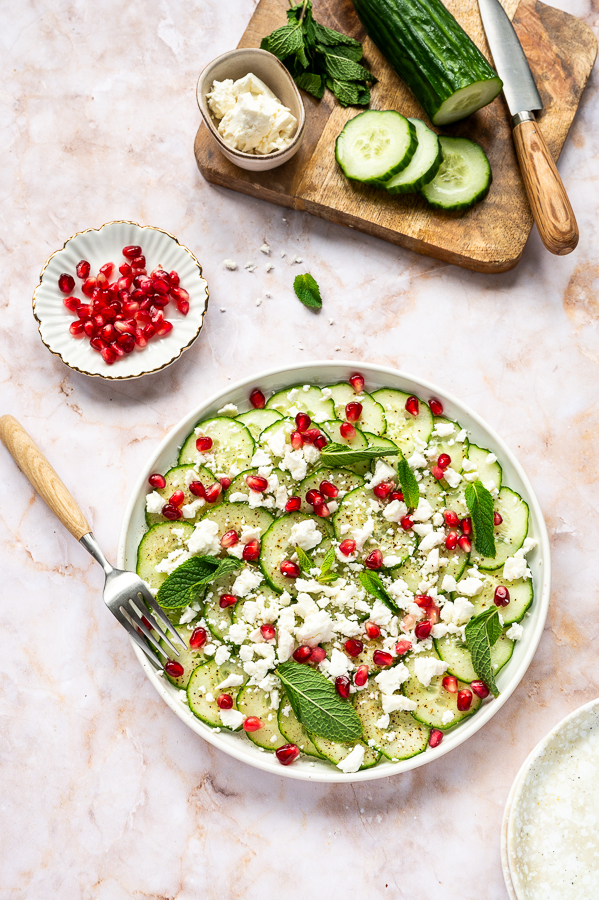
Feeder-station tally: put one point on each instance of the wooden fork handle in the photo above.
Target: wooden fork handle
(34, 465)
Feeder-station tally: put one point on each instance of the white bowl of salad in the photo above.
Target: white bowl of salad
(356, 561)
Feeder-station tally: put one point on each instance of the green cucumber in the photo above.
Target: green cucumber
(233, 446)
(408, 736)
(177, 479)
(509, 536)
(189, 659)
(372, 417)
(335, 751)
(452, 650)
(203, 690)
(156, 545)
(276, 548)
(343, 479)
(253, 701)
(402, 426)
(388, 537)
(256, 420)
(295, 399)
(487, 471)
(293, 731)
(374, 145)
(520, 591)
(423, 166)
(463, 179)
(434, 700)
(233, 516)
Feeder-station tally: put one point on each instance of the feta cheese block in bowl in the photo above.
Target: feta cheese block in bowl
(329, 548)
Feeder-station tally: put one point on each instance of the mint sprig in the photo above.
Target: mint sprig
(305, 563)
(409, 485)
(189, 580)
(482, 632)
(307, 291)
(334, 455)
(372, 583)
(327, 576)
(480, 505)
(317, 704)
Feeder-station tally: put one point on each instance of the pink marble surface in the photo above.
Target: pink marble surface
(104, 792)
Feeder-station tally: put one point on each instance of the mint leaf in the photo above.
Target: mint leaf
(480, 504)
(308, 291)
(343, 69)
(304, 560)
(346, 92)
(288, 41)
(189, 580)
(327, 576)
(335, 38)
(482, 633)
(341, 455)
(372, 583)
(311, 83)
(317, 704)
(409, 485)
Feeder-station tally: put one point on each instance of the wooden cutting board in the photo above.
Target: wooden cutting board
(490, 237)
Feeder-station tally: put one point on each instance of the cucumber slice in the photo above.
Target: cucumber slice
(253, 701)
(372, 418)
(189, 659)
(423, 166)
(256, 420)
(343, 479)
(358, 442)
(410, 570)
(487, 471)
(276, 548)
(455, 653)
(295, 399)
(435, 700)
(335, 751)
(376, 440)
(374, 145)
(389, 537)
(521, 596)
(454, 449)
(509, 536)
(293, 731)
(176, 480)
(402, 427)
(218, 620)
(239, 486)
(156, 544)
(233, 516)
(233, 445)
(286, 426)
(464, 177)
(409, 736)
(203, 685)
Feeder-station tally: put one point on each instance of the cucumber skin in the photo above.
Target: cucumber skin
(415, 186)
(404, 31)
(379, 182)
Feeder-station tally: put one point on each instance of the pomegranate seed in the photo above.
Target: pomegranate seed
(287, 754)
(314, 498)
(361, 676)
(451, 541)
(480, 689)
(140, 339)
(147, 623)
(98, 344)
(402, 647)
(224, 701)
(466, 526)
(464, 700)
(256, 483)
(251, 551)
(132, 251)
(198, 638)
(347, 431)
(157, 481)
(383, 489)
(353, 647)
(310, 435)
(197, 489)
(290, 569)
(303, 421)
(71, 303)
(76, 328)
(101, 281)
(204, 444)
(229, 539)
(320, 442)
(423, 601)
(108, 333)
(173, 278)
(464, 544)
(374, 560)
(88, 286)
(168, 510)
(227, 600)
(347, 547)
(302, 654)
(213, 492)
(501, 596)
(66, 283)
(435, 737)
(382, 658)
(177, 499)
(451, 518)
(107, 269)
(297, 441)
(322, 510)
(497, 519)
(268, 631)
(173, 668)
(225, 482)
(408, 622)
(413, 406)
(318, 654)
(357, 382)
(407, 522)
(444, 460)
(139, 262)
(293, 504)
(450, 683)
(257, 399)
(372, 630)
(108, 355)
(353, 411)
(423, 630)
(342, 686)
(328, 489)
(437, 473)
(395, 495)
(83, 269)
(125, 269)
(183, 307)
(253, 723)
(179, 294)
(164, 328)
(436, 407)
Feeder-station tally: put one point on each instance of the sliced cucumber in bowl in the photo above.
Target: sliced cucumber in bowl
(374, 145)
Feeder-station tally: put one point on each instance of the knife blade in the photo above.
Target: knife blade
(549, 202)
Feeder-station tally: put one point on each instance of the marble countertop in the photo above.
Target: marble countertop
(104, 793)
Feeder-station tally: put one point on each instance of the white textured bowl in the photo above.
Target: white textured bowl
(102, 245)
(323, 373)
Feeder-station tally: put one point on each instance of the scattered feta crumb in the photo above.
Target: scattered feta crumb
(269, 268)
(427, 667)
(447, 717)
(229, 409)
(265, 248)
(231, 718)
(353, 760)
(230, 264)
(154, 503)
(515, 632)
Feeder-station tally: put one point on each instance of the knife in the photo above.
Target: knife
(549, 202)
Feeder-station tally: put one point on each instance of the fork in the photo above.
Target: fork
(127, 597)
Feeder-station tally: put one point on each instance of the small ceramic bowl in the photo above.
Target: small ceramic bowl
(236, 64)
(102, 245)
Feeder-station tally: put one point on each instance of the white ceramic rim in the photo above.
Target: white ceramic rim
(240, 748)
(518, 789)
(169, 356)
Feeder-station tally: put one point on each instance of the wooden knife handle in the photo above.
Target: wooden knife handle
(546, 192)
(34, 465)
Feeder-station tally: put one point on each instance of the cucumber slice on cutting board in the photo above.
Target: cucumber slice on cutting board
(423, 166)
(464, 177)
(156, 545)
(253, 701)
(408, 736)
(375, 144)
(372, 417)
(232, 445)
(452, 650)
(402, 426)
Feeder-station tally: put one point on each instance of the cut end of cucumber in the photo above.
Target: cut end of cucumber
(467, 100)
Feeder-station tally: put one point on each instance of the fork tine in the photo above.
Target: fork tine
(140, 643)
(151, 603)
(137, 621)
(137, 606)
